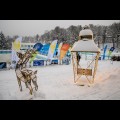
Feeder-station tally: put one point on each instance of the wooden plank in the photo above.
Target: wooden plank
(82, 71)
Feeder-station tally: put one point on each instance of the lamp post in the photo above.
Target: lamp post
(85, 45)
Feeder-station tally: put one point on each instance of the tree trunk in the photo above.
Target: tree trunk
(117, 41)
(103, 41)
(113, 41)
(98, 43)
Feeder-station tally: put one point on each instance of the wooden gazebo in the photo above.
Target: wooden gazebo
(85, 44)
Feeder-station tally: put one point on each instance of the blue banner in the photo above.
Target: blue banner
(38, 63)
(3, 65)
(112, 49)
(45, 49)
(38, 46)
(104, 52)
(54, 61)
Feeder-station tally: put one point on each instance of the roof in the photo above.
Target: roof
(28, 43)
(86, 32)
(85, 45)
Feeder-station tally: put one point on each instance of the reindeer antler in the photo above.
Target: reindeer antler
(20, 55)
(33, 51)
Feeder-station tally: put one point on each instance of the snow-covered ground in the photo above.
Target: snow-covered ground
(56, 82)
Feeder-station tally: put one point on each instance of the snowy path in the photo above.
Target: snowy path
(56, 83)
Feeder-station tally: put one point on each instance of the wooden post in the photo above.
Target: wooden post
(73, 66)
(78, 72)
(95, 67)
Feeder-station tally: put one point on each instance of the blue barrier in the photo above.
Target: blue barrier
(54, 61)
(3, 65)
(38, 63)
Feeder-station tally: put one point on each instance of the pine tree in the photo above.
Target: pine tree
(2, 41)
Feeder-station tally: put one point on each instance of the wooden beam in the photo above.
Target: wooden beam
(96, 65)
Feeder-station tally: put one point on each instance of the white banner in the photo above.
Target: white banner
(16, 45)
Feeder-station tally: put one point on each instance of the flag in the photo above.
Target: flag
(52, 49)
(16, 45)
(104, 52)
(110, 51)
(69, 50)
(64, 50)
(59, 48)
(37, 47)
(34, 56)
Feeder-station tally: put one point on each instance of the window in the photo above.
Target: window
(86, 37)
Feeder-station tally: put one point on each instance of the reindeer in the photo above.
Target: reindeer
(24, 74)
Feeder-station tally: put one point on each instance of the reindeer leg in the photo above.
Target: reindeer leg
(30, 87)
(26, 84)
(34, 80)
(19, 83)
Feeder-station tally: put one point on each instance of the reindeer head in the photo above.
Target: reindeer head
(20, 55)
(24, 58)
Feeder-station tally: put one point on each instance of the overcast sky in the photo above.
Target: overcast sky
(33, 27)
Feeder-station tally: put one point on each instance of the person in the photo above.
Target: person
(49, 61)
(9, 66)
(56, 53)
(78, 58)
(66, 60)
